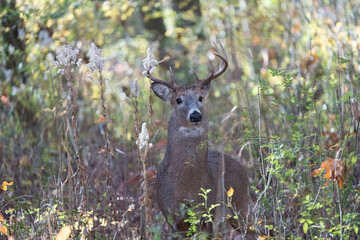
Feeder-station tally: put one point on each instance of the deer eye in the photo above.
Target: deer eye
(178, 101)
(201, 99)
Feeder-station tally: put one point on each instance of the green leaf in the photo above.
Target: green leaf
(353, 160)
(350, 53)
(213, 206)
(305, 227)
(343, 60)
(357, 76)
(269, 226)
(275, 72)
(302, 220)
(356, 229)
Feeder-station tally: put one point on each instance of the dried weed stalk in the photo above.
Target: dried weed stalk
(96, 64)
(66, 61)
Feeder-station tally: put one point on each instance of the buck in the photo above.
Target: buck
(188, 165)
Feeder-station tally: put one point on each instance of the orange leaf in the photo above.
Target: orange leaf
(64, 233)
(340, 171)
(2, 219)
(3, 230)
(263, 237)
(230, 192)
(335, 170)
(5, 98)
(99, 120)
(316, 172)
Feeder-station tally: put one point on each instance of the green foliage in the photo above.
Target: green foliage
(200, 213)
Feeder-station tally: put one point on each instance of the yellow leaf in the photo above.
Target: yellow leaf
(5, 184)
(63, 113)
(64, 233)
(3, 230)
(230, 192)
(48, 109)
(100, 120)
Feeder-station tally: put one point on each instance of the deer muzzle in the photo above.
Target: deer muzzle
(195, 117)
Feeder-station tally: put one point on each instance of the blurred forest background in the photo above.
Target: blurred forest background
(288, 106)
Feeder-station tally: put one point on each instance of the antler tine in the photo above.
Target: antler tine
(172, 74)
(196, 76)
(223, 66)
(170, 84)
(223, 53)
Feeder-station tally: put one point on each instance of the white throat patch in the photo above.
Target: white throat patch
(192, 132)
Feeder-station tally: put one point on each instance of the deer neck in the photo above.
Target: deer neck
(185, 160)
(187, 144)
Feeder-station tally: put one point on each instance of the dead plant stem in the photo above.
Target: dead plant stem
(79, 157)
(106, 139)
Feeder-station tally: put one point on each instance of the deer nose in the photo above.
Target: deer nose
(195, 117)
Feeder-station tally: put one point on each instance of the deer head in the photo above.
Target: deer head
(188, 101)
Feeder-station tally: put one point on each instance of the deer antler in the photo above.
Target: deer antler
(223, 66)
(170, 84)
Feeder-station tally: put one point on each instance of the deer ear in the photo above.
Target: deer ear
(162, 91)
(206, 87)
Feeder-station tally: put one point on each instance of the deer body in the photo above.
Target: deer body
(188, 165)
(184, 167)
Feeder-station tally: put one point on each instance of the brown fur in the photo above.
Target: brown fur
(188, 165)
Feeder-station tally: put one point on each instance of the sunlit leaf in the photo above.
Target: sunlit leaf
(100, 120)
(263, 237)
(3, 230)
(64, 233)
(353, 160)
(48, 109)
(269, 226)
(305, 227)
(5, 184)
(230, 192)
